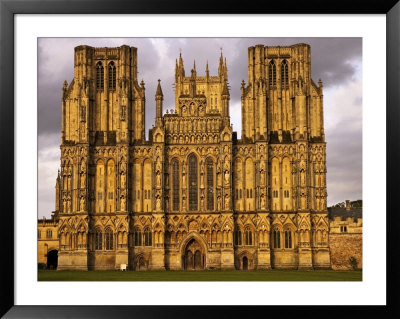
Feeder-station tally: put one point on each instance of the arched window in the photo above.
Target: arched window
(109, 239)
(147, 237)
(112, 75)
(284, 75)
(193, 199)
(277, 239)
(137, 237)
(248, 237)
(272, 73)
(98, 240)
(175, 185)
(288, 239)
(99, 76)
(210, 185)
(238, 237)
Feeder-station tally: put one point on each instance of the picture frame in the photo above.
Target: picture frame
(8, 10)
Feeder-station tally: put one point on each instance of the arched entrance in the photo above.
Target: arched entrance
(52, 259)
(245, 263)
(141, 263)
(193, 258)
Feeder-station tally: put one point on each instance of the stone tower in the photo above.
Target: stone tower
(102, 114)
(282, 114)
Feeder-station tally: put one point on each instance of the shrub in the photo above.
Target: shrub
(42, 266)
(353, 262)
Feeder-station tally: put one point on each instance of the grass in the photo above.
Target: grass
(206, 275)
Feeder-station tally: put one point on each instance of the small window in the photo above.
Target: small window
(112, 74)
(343, 229)
(39, 234)
(147, 237)
(277, 239)
(238, 237)
(99, 76)
(109, 239)
(272, 73)
(288, 239)
(284, 75)
(98, 240)
(175, 185)
(138, 237)
(248, 237)
(286, 194)
(49, 233)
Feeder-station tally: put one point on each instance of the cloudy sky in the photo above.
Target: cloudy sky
(337, 61)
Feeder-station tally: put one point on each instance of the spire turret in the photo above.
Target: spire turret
(221, 65)
(159, 98)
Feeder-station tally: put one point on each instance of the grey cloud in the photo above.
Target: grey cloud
(334, 60)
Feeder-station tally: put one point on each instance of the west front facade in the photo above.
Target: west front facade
(192, 196)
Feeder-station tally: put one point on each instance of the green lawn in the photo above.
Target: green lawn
(207, 275)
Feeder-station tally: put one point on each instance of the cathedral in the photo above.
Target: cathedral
(193, 196)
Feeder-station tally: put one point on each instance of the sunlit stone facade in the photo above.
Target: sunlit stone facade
(193, 196)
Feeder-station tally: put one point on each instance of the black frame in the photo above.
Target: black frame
(7, 10)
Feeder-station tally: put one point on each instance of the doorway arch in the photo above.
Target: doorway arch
(193, 257)
(52, 259)
(245, 263)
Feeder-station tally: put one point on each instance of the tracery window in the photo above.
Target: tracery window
(99, 76)
(109, 239)
(49, 233)
(112, 75)
(147, 237)
(248, 236)
(193, 193)
(272, 73)
(98, 240)
(137, 237)
(288, 239)
(277, 239)
(175, 185)
(284, 75)
(210, 185)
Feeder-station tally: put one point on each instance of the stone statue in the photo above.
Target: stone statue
(122, 203)
(158, 203)
(226, 177)
(82, 204)
(83, 179)
(158, 178)
(262, 201)
(123, 179)
(226, 202)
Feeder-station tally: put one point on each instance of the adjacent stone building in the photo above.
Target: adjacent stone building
(345, 237)
(193, 196)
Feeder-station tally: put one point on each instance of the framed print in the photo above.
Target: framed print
(27, 30)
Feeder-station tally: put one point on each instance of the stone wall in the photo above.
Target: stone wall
(342, 247)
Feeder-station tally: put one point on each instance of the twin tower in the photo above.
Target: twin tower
(193, 196)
